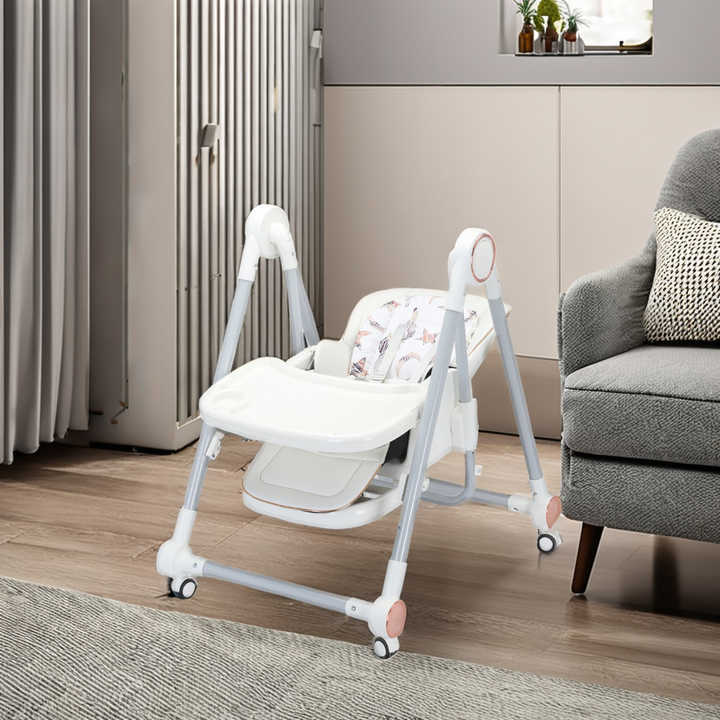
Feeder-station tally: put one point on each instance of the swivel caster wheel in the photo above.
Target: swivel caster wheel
(182, 588)
(547, 543)
(382, 649)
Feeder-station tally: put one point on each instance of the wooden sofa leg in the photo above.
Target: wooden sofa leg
(587, 550)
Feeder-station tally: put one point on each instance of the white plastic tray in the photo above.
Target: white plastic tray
(271, 401)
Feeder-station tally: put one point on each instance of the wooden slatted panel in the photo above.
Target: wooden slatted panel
(246, 65)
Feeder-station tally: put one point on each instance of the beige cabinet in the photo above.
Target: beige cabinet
(407, 168)
(566, 179)
(617, 144)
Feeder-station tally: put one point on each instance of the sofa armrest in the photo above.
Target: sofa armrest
(601, 313)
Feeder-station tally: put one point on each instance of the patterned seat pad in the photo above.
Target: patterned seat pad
(398, 340)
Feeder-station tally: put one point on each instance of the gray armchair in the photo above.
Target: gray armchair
(641, 422)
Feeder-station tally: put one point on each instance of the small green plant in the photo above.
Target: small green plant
(546, 9)
(573, 18)
(526, 8)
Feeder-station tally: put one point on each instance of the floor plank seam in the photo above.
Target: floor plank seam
(11, 537)
(153, 547)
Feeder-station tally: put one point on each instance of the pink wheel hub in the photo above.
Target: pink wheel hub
(395, 623)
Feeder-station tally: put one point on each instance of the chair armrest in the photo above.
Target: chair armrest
(332, 357)
(601, 313)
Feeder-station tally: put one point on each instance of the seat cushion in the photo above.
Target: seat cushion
(398, 340)
(650, 403)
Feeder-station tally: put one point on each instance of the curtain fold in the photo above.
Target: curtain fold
(44, 289)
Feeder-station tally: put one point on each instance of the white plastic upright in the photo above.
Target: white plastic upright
(175, 559)
(471, 262)
(267, 235)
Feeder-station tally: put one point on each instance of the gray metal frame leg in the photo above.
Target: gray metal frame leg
(199, 468)
(223, 367)
(292, 281)
(379, 613)
(461, 362)
(441, 492)
(303, 329)
(308, 319)
(418, 464)
(515, 386)
(233, 329)
(448, 493)
(264, 583)
(543, 508)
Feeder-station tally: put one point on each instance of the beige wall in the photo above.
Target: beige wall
(406, 169)
(617, 146)
(565, 178)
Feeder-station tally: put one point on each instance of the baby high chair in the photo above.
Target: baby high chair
(349, 427)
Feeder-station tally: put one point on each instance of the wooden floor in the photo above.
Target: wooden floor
(476, 589)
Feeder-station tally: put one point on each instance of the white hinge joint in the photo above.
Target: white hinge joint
(215, 444)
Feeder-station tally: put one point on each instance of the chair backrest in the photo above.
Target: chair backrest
(693, 182)
(692, 185)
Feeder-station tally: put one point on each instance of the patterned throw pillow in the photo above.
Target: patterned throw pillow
(684, 303)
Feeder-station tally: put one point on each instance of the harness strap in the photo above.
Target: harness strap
(386, 357)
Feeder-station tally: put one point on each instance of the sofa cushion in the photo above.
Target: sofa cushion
(643, 496)
(650, 403)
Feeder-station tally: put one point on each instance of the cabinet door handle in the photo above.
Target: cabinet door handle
(208, 135)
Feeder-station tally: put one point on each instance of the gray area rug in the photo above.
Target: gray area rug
(69, 655)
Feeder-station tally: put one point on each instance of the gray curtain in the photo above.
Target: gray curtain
(44, 217)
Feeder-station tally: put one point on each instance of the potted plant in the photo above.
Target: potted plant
(571, 42)
(526, 9)
(549, 9)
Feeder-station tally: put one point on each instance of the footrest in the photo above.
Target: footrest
(313, 482)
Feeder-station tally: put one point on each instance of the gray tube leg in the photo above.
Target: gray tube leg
(442, 492)
(292, 281)
(461, 362)
(223, 367)
(454, 495)
(199, 468)
(517, 394)
(301, 593)
(451, 494)
(308, 319)
(445, 493)
(233, 329)
(464, 395)
(418, 464)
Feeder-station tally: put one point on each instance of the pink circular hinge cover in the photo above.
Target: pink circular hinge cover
(472, 257)
(395, 623)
